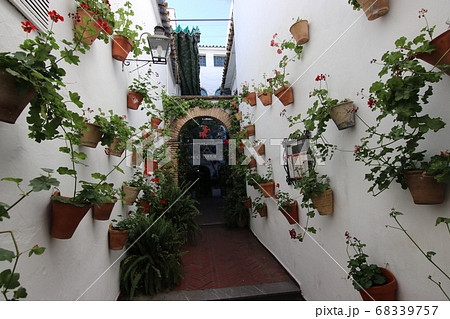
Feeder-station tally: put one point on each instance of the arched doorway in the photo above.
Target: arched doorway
(211, 126)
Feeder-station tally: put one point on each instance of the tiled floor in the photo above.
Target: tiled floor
(229, 264)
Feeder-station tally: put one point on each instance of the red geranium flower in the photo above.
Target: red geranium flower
(85, 6)
(156, 180)
(55, 16)
(162, 201)
(27, 26)
(293, 234)
(226, 142)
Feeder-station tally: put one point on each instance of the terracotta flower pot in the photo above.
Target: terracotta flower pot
(342, 114)
(262, 211)
(151, 165)
(441, 55)
(238, 116)
(92, 136)
(155, 122)
(103, 211)
(145, 206)
(131, 193)
(268, 189)
(261, 149)
(425, 190)
(250, 98)
(250, 130)
(324, 202)
(134, 99)
(285, 94)
(252, 162)
(290, 212)
(66, 218)
(12, 100)
(121, 46)
(265, 98)
(117, 238)
(116, 151)
(374, 8)
(247, 203)
(300, 31)
(87, 25)
(384, 292)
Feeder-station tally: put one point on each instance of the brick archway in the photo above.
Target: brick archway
(176, 126)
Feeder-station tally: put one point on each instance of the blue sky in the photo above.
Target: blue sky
(213, 33)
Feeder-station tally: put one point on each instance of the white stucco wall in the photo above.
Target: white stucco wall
(342, 44)
(210, 75)
(68, 267)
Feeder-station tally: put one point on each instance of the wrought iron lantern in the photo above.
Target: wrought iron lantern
(297, 157)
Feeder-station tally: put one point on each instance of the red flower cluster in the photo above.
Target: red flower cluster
(104, 26)
(162, 201)
(293, 234)
(357, 147)
(279, 51)
(85, 6)
(156, 180)
(446, 153)
(278, 184)
(422, 13)
(321, 77)
(27, 26)
(371, 102)
(55, 16)
(75, 17)
(226, 142)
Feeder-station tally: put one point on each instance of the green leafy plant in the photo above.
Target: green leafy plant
(257, 205)
(399, 97)
(279, 78)
(362, 274)
(114, 126)
(9, 278)
(123, 26)
(253, 177)
(283, 199)
(355, 4)
(429, 254)
(439, 167)
(153, 263)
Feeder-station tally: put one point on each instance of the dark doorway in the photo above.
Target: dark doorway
(209, 187)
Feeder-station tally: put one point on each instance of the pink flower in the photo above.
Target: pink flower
(279, 51)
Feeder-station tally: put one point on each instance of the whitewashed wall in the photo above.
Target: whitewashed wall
(342, 44)
(210, 75)
(68, 267)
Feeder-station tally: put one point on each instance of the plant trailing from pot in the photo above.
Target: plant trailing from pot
(429, 255)
(312, 185)
(247, 93)
(373, 282)
(118, 230)
(278, 82)
(264, 183)
(264, 91)
(372, 8)
(9, 278)
(258, 207)
(93, 20)
(399, 97)
(33, 74)
(125, 38)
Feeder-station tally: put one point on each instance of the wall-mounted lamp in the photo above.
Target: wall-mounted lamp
(159, 45)
(296, 157)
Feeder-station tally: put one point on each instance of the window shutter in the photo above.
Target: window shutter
(34, 10)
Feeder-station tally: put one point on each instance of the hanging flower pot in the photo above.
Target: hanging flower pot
(250, 98)
(268, 189)
(117, 238)
(262, 211)
(425, 190)
(238, 116)
(134, 99)
(385, 292)
(300, 31)
(144, 206)
(250, 130)
(92, 136)
(252, 162)
(247, 203)
(12, 100)
(131, 193)
(324, 202)
(342, 114)
(66, 218)
(87, 26)
(285, 94)
(261, 149)
(103, 211)
(155, 122)
(290, 211)
(265, 98)
(114, 150)
(374, 8)
(121, 46)
(441, 55)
